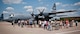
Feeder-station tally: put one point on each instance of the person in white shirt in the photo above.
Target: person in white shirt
(40, 23)
(22, 23)
(19, 22)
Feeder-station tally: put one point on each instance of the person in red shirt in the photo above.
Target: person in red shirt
(67, 23)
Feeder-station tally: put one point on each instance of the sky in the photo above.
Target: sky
(25, 7)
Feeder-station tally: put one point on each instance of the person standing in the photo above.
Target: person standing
(13, 23)
(45, 24)
(61, 24)
(72, 23)
(19, 22)
(22, 23)
(67, 23)
(76, 23)
(25, 22)
(35, 23)
(40, 23)
(30, 23)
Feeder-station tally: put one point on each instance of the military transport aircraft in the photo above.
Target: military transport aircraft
(41, 15)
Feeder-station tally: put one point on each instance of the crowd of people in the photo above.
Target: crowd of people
(60, 24)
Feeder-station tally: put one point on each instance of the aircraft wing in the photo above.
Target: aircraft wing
(61, 12)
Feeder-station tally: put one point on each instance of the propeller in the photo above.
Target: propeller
(41, 11)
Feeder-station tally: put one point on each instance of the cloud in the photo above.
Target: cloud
(28, 8)
(65, 5)
(24, 2)
(12, 1)
(58, 3)
(41, 8)
(9, 8)
(40, 1)
(75, 4)
(5, 12)
(78, 3)
(61, 10)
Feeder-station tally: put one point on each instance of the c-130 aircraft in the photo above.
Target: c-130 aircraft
(40, 16)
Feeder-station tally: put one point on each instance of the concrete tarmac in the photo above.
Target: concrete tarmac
(7, 28)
